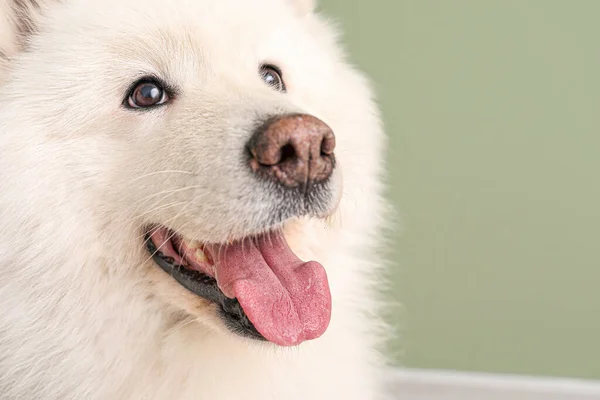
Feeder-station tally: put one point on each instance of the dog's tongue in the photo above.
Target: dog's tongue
(287, 300)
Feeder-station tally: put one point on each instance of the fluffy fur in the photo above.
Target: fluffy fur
(84, 313)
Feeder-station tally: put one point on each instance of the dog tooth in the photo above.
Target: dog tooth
(200, 256)
(191, 244)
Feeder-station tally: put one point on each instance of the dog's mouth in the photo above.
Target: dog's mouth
(262, 289)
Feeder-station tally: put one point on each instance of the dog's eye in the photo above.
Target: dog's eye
(272, 77)
(147, 94)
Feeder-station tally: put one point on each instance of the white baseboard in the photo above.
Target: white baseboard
(442, 385)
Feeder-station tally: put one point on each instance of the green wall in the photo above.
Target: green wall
(493, 107)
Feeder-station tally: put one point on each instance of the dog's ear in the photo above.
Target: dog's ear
(304, 6)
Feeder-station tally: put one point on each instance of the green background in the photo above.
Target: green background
(493, 108)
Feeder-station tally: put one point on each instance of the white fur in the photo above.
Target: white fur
(83, 313)
(304, 6)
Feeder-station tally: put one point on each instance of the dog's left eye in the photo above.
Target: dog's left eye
(147, 94)
(272, 77)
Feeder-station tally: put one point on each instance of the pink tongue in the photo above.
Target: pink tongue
(287, 300)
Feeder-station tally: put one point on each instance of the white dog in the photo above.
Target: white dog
(164, 167)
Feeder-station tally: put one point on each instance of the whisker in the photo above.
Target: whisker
(168, 192)
(162, 207)
(161, 172)
(165, 193)
(159, 208)
(179, 327)
(181, 212)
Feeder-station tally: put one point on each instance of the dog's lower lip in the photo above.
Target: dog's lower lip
(206, 287)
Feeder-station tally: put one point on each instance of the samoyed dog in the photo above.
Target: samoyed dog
(190, 203)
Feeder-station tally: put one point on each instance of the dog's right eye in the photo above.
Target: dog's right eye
(147, 94)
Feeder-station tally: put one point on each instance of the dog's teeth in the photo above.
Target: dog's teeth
(200, 256)
(194, 244)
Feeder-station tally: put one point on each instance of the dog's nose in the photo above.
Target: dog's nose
(293, 150)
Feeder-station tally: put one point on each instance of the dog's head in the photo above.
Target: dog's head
(203, 130)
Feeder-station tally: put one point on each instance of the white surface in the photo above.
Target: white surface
(438, 385)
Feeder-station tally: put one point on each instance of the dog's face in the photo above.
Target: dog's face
(204, 128)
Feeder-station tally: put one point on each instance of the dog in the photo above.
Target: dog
(190, 203)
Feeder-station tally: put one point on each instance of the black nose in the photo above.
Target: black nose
(293, 150)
